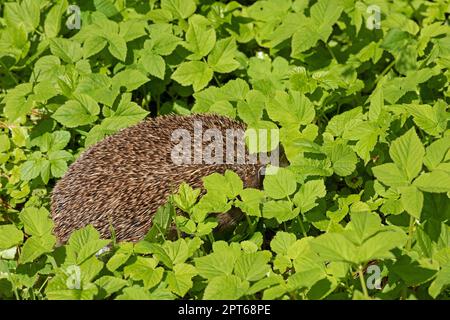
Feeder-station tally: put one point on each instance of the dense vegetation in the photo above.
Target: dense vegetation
(362, 211)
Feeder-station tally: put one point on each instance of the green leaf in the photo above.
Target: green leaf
(334, 247)
(221, 59)
(308, 270)
(131, 79)
(434, 181)
(195, 73)
(290, 109)
(390, 175)
(211, 202)
(75, 113)
(442, 280)
(205, 228)
(366, 135)
(93, 45)
(120, 256)
(227, 287)
(26, 13)
(110, 285)
(154, 64)
(341, 122)
(302, 41)
(60, 139)
(235, 90)
(281, 210)
(140, 293)
(162, 42)
(324, 14)
(186, 197)
(180, 280)
(282, 263)
(251, 110)
(380, 245)
(36, 246)
(376, 104)
(83, 244)
(44, 165)
(309, 192)
(200, 37)
(412, 201)
(106, 7)
(220, 262)
(251, 200)
(135, 293)
(411, 272)
(431, 119)
(16, 103)
(282, 241)
(145, 269)
(30, 169)
(132, 29)
(407, 153)
(36, 221)
(128, 113)
(177, 251)
(265, 283)
(58, 167)
(117, 46)
(98, 86)
(52, 24)
(57, 290)
(9, 236)
(68, 50)
(59, 155)
(404, 48)
(223, 108)
(214, 265)
(394, 89)
(281, 184)
(229, 183)
(253, 266)
(342, 158)
(436, 152)
(362, 226)
(180, 9)
(395, 40)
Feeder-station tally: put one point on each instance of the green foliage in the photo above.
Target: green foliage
(363, 121)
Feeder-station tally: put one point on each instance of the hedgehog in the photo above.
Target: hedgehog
(122, 180)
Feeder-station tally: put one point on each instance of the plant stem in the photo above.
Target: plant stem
(158, 102)
(410, 233)
(44, 283)
(386, 70)
(217, 80)
(211, 238)
(214, 75)
(331, 52)
(173, 215)
(250, 224)
(301, 225)
(161, 232)
(408, 248)
(10, 74)
(32, 296)
(363, 285)
(16, 293)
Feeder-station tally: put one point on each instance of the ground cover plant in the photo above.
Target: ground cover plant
(358, 89)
